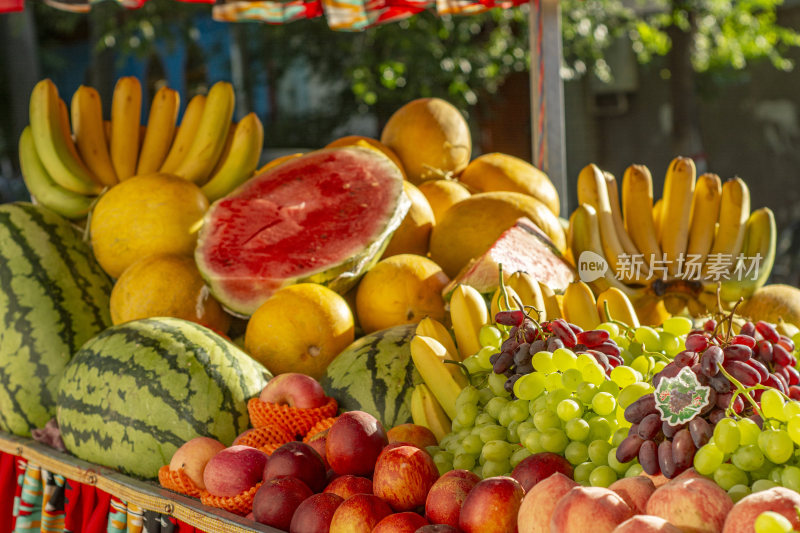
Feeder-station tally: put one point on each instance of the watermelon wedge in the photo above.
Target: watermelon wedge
(522, 247)
(325, 218)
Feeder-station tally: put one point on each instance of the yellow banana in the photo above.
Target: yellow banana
(126, 119)
(657, 208)
(225, 149)
(42, 187)
(759, 247)
(620, 307)
(184, 135)
(90, 135)
(552, 309)
(734, 210)
(53, 144)
(498, 303)
(702, 225)
(675, 213)
(429, 327)
(426, 411)
(529, 292)
(469, 314)
(427, 355)
(637, 206)
(585, 243)
(616, 215)
(580, 307)
(592, 190)
(209, 138)
(444, 355)
(242, 160)
(160, 130)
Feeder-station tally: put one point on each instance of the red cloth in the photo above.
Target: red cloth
(87, 508)
(8, 488)
(8, 6)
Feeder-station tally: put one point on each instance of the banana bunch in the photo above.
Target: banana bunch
(700, 235)
(582, 309)
(70, 155)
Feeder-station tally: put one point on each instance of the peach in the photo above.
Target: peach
(359, 514)
(419, 436)
(438, 528)
(299, 460)
(294, 389)
(635, 491)
(539, 466)
(403, 476)
(539, 502)
(234, 470)
(692, 504)
(277, 500)
(492, 506)
(444, 500)
(315, 513)
(318, 443)
(193, 456)
(593, 509)
(405, 522)
(349, 485)
(779, 499)
(463, 474)
(643, 523)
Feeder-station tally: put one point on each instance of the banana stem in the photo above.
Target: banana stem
(503, 290)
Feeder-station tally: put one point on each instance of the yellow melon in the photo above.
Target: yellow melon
(431, 138)
(368, 142)
(442, 195)
(503, 172)
(771, 302)
(471, 226)
(414, 233)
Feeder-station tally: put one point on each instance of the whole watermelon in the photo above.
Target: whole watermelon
(376, 374)
(135, 393)
(53, 297)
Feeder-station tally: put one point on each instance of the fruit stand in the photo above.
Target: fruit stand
(385, 334)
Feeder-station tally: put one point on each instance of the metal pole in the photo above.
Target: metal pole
(554, 156)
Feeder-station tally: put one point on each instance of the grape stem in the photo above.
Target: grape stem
(503, 290)
(740, 389)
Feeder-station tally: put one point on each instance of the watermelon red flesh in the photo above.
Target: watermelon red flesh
(522, 247)
(323, 217)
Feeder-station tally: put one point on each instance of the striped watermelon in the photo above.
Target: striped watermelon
(135, 393)
(376, 374)
(53, 298)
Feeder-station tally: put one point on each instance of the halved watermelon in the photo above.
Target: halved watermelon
(522, 247)
(325, 217)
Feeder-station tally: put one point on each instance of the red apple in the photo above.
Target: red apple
(537, 506)
(406, 522)
(438, 528)
(299, 460)
(349, 485)
(403, 476)
(593, 509)
(443, 504)
(643, 523)
(635, 491)
(744, 513)
(419, 436)
(193, 457)
(318, 443)
(359, 514)
(693, 504)
(315, 513)
(234, 470)
(277, 499)
(295, 390)
(539, 466)
(492, 506)
(354, 442)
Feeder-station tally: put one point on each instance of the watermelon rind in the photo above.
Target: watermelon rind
(376, 374)
(134, 394)
(339, 277)
(53, 297)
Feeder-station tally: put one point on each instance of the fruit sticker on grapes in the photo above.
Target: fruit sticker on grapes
(681, 398)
